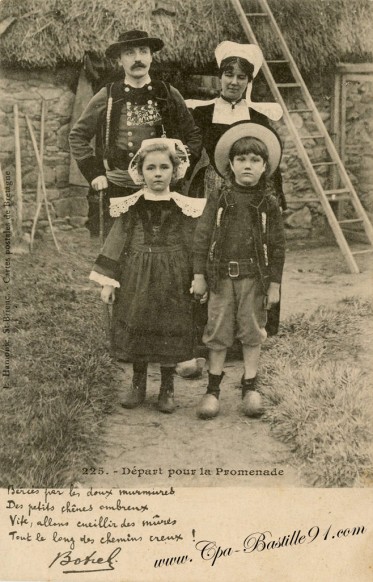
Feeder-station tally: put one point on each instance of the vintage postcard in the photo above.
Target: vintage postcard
(186, 283)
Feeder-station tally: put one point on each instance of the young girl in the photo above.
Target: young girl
(239, 252)
(145, 270)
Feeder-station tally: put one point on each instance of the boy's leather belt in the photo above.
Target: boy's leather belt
(239, 269)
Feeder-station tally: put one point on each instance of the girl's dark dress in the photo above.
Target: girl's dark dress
(148, 253)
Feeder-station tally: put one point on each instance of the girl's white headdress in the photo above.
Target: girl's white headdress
(176, 146)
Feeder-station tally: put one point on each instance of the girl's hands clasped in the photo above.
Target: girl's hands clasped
(108, 294)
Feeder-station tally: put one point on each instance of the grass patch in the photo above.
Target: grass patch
(317, 400)
(60, 372)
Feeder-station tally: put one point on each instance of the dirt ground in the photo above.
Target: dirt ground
(180, 449)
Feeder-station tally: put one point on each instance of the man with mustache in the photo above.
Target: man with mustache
(122, 114)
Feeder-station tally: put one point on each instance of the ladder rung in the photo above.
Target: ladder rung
(362, 252)
(276, 62)
(288, 84)
(337, 191)
(340, 198)
(314, 136)
(297, 200)
(256, 14)
(306, 200)
(350, 220)
(300, 110)
(324, 163)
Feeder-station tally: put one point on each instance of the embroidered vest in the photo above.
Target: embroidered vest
(158, 91)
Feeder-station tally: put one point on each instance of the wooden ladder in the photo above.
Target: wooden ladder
(342, 189)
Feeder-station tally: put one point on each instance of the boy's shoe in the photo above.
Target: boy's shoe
(166, 402)
(251, 399)
(136, 394)
(208, 407)
(252, 404)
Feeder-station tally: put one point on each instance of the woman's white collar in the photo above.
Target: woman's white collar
(224, 114)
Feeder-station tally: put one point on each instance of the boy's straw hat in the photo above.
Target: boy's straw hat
(248, 129)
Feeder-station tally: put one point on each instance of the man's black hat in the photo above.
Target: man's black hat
(134, 38)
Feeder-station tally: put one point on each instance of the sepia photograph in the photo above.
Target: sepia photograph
(187, 280)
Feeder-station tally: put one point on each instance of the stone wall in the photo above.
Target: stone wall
(68, 204)
(28, 89)
(305, 217)
(358, 139)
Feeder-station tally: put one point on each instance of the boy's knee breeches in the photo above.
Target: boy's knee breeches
(236, 310)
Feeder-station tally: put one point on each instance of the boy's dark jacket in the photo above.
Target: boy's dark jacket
(267, 230)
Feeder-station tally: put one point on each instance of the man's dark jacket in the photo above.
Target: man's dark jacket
(177, 122)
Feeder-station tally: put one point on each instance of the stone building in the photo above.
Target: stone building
(44, 43)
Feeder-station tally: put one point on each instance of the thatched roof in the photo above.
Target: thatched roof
(50, 33)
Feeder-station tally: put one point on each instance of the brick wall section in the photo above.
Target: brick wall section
(27, 89)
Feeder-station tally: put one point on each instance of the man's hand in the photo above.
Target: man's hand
(108, 294)
(100, 183)
(273, 295)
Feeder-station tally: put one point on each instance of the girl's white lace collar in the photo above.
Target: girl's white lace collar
(189, 206)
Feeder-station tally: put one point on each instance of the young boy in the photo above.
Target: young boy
(239, 251)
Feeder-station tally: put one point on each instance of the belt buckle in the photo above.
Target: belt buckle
(233, 269)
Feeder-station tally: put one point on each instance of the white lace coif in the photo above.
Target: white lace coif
(175, 146)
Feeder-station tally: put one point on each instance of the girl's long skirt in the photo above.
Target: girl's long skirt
(153, 310)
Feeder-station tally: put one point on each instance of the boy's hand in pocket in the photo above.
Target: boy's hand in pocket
(273, 295)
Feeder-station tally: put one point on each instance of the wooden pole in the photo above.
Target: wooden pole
(38, 159)
(336, 135)
(39, 197)
(101, 215)
(107, 308)
(19, 203)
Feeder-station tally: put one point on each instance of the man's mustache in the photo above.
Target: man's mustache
(138, 64)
